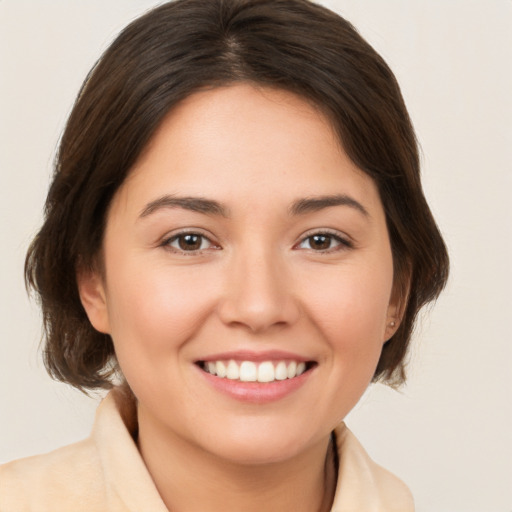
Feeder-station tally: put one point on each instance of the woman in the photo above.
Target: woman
(237, 241)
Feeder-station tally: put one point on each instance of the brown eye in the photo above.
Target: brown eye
(324, 242)
(320, 242)
(189, 242)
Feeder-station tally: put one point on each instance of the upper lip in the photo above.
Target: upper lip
(257, 357)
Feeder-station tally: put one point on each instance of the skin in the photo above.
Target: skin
(258, 283)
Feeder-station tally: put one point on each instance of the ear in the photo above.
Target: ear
(393, 320)
(396, 307)
(93, 297)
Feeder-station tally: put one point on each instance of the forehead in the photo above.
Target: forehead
(244, 142)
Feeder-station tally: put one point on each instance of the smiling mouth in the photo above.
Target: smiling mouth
(250, 371)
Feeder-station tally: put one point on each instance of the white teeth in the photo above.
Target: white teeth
(221, 369)
(292, 370)
(248, 371)
(232, 371)
(281, 371)
(266, 372)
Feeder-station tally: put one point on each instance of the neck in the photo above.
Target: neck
(192, 480)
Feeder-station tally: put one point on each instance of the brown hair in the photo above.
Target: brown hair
(161, 58)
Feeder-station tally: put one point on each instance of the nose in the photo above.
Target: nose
(258, 293)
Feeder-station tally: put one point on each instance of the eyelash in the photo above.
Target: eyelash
(343, 243)
(167, 243)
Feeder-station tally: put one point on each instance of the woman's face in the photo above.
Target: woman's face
(245, 242)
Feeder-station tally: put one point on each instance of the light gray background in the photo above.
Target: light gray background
(448, 432)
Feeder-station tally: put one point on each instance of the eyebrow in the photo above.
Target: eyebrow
(314, 204)
(212, 207)
(195, 204)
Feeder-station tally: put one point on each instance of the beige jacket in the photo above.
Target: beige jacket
(106, 473)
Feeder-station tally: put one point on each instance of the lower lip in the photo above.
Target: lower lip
(256, 392)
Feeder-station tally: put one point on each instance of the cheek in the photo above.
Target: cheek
(153, 307)
(351, 310)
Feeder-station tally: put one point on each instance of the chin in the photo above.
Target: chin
(255, 453)
(265, 442)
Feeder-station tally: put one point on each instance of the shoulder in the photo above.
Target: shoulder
(105, 472)
(364, 485)
(68, 478)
